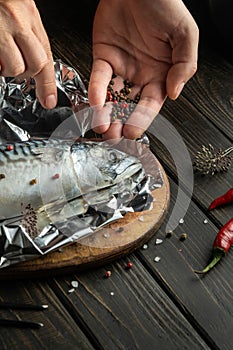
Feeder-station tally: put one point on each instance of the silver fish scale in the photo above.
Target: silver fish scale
(60, 179)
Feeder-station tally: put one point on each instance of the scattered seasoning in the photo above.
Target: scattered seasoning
(158, 241)
(120, 229)
(2, 176)
(183, 236)
(169, 234)
(74, 284)
(56, 176)
(129, 265)
(205, 221)
(141, 218)
(157, 259)
(207, 161)
(111, 293)
(33, 182)
(181, 221)
(108, 274)
(71, 290)
(122, 104)
(225, 198)
(9, 147)
(145, 246)
(222, 243)
(29, 221)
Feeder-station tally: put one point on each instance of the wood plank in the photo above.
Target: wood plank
(207, 301)
(210, 90)
(60, 331)
(128, 310)
(195, 130)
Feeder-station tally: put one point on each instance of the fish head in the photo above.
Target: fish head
(98, 165)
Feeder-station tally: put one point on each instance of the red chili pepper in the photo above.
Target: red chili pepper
(222, 200)
(222, 243)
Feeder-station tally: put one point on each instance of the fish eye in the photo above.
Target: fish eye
(113, 156)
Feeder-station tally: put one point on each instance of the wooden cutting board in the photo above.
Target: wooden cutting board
(103, 246)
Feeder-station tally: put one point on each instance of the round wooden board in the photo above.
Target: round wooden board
(105, 245)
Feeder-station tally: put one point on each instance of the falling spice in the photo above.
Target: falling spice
(222, 244)
(209, 161)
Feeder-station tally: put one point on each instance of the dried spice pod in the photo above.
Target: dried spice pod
(209, 161)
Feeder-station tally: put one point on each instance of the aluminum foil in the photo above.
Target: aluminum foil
(22, 118)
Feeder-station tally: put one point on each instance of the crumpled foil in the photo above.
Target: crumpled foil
(22, 118)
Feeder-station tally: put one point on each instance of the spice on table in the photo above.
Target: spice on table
(129, 265)
(183, 236)
(221, 245)
(208, 161)
(226, 198)
(108, 274)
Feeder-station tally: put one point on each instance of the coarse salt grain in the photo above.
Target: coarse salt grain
(158, 241)
(157, 259)
(71, 290)
(145, 246)
(181, 221)
(205, 221)
(74, 284)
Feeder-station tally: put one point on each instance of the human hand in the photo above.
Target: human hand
(25, 50)
(154, 45)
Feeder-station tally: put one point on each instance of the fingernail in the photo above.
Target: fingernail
(179, 89)
(50, 101)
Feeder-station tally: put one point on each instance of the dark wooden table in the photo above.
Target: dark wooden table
(162, 305)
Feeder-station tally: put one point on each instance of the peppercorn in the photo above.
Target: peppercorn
(183, 236)
(33, 182)
(108, 274)
(9, 147)
(129, 265)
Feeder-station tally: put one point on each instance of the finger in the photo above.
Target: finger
(11, 60)
(185, 55)
(101, 74)
(152, 98)
(40, 66)
(114, 132)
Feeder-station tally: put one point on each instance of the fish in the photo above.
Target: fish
(50, 180)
